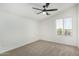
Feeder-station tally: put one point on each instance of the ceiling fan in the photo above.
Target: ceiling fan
(45, 10)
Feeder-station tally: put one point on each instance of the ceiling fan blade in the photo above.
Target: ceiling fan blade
(47, 4)
(36, 8)
(39, 12)
(52, 10)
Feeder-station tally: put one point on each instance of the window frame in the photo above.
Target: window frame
(63, 27)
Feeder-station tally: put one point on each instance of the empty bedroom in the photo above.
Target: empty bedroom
(39, 29)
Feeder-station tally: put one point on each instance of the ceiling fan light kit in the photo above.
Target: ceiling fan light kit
(44, 13)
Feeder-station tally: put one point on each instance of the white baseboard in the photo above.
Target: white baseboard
(3, 51)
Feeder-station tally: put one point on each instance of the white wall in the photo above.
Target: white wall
(16, 31)
(78, 23)
(48, 28)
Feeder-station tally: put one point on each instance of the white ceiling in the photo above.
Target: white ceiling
(25, 9)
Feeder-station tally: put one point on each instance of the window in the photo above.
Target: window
(59, 26)
(64, 26)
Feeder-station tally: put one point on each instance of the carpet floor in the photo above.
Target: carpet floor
(43, 48)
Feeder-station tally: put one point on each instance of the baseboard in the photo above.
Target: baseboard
(60, 43)
(33, 42)
(4, 51)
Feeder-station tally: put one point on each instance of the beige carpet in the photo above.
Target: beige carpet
(43, 48)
